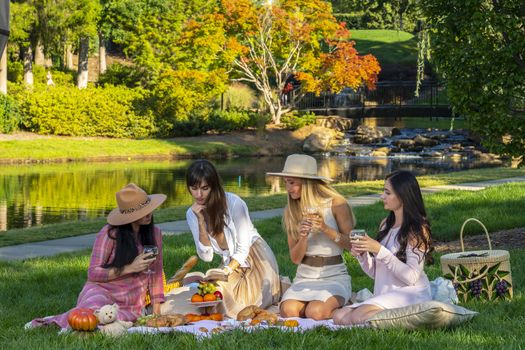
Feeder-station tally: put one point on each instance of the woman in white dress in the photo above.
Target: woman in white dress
(395, 260)
(220, 223)
(317, 220)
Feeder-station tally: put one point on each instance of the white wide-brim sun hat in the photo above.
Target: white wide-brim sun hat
(301, 166)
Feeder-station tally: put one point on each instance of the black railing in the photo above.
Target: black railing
(392, 97)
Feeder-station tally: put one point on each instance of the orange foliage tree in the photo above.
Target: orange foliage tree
(267, 43)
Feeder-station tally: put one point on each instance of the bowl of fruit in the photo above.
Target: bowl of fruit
(207, 295)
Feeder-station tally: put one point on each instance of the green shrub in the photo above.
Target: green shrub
(295, 120)
(239, 96)
(235, 119)
(110, 111)
(9, 114)
(185, 97)
(119, 74)
(15, 71)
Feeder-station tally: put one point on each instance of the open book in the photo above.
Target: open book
(210, 275)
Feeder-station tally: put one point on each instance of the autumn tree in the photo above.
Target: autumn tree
(268, 43)
(478, 46)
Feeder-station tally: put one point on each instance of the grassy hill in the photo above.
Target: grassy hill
(395, 50)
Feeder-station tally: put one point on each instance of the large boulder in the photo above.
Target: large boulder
(320, 140)
(335, 122)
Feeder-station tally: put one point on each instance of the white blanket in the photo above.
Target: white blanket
(203, 329)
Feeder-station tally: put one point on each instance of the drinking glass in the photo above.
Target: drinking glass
(357, 234)
(153, 251)
(310, 213)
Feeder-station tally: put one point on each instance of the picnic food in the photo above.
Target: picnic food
(256, 313)
(218, 295)
(209, 297)
(206, 288)
(290, 323)
(82, 319)
(166, 320)
(197, 298)
(211, 317)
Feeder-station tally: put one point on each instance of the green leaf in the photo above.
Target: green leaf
(494, 268)
(464, 271)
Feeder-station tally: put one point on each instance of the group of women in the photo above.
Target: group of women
(318, 222)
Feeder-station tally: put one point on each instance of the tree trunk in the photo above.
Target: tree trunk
(69, 57)
(101, 55)
(28, 66)
(83, 63)
(39, 54)
(3, 71)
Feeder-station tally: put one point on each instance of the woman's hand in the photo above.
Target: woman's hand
(199, 210)
(304, 228)
(317, 223)
(141, 263)
(365, 244)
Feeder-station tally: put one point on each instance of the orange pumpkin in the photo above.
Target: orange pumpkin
(82, 319)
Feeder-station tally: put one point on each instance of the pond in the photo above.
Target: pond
(41, 194)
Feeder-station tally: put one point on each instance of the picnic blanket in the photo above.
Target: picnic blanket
(204, 329)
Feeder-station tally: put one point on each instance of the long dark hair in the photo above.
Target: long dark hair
(203, 170)
(125, 244)
(416, 227)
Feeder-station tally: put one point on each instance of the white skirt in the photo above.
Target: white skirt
(320, 283)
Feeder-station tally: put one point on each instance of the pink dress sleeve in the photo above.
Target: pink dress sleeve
(156, 286)
(408, 272)
(102, 251)
(367, 263)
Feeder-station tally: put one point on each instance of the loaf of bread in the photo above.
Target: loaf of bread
(167, 321)
(186, 267)
(257, 314)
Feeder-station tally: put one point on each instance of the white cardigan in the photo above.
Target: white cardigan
(239, 233)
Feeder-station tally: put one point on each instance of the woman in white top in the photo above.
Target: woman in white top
(220, 223)
(395, 260)
(317, 220)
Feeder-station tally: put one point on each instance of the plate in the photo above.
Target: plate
(206, 303)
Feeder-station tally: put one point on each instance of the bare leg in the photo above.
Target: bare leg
(358, 315)
(319, 310)
(292, 308)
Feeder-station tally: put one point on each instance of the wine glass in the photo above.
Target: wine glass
(357, 234)
(310, 213)
(153, 251)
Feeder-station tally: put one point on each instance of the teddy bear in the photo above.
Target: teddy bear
(108, 322)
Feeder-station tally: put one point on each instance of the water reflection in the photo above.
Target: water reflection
(41, 194)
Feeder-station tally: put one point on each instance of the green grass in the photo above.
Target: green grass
(54, 148)
(256, 202)
(389, 46)
(46, 286)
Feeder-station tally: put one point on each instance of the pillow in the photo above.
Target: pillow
(430, 314)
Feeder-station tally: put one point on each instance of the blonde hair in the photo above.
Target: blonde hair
(314, 193)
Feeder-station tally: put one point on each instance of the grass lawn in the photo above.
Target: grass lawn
(257, 202)
(103, 148)
(46, 286)
(389, 46)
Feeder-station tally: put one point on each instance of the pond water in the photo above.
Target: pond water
(41, 194)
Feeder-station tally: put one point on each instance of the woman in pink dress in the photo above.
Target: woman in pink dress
(119, 271)
(396, 259)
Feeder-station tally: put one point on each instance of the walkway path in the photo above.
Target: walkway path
(71, 244)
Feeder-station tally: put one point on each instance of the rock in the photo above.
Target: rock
(335, 122)
(425, 141)
(404, 143)
(377, 153)
(320, 140)
(395, 132)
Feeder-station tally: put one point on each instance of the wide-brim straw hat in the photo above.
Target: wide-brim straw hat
(133, 204)
(302, 166)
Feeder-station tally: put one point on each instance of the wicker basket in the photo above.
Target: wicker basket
(479, 274)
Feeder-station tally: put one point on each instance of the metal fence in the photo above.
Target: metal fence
(392, 97)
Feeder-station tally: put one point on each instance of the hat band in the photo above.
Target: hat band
(298, 174)
(138, 207)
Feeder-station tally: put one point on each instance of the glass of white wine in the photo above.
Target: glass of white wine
(357, 234)
(153, 251)
(310, 213)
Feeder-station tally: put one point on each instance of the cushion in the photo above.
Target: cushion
(430, 314)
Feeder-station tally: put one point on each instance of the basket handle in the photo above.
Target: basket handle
(463, 227)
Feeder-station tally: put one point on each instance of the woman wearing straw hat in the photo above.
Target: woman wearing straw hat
(119, 271)
(317, 220)
(221, 224)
